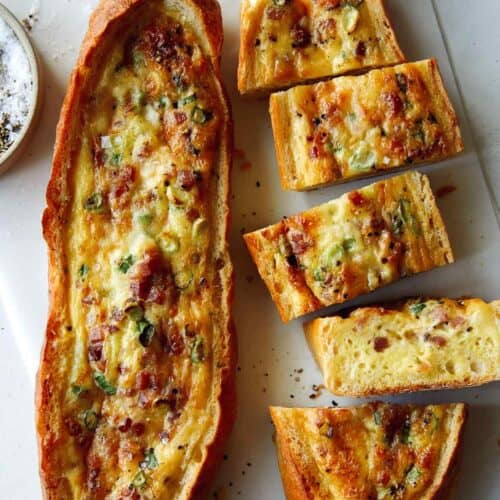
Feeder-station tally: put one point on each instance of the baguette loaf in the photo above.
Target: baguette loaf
(285, 42)
(136, 390)
(358, 126)
(378, 451)
(420, 344)
(352, 245)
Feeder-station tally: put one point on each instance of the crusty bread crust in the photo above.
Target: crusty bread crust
(204, 17)
(251, 81)
(295, 468)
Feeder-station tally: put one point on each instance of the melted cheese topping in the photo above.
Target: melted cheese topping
(377, 451)
(136, 360)
(351, 246)
(289, 41)
(355, 126)
(423, 344)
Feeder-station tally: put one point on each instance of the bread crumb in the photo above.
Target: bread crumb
(445, 190)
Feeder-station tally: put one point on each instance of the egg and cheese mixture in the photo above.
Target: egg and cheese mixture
(289, 41)
(378, 451)
(352, 127)
(138, 401)
(351, 246)
(420, 344)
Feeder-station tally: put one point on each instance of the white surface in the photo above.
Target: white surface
(266, 346)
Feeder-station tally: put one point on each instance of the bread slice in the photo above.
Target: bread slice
(136, 388)
(415, 345)
(378, 451)
(351, 246)
(285, 42)
(359, 126)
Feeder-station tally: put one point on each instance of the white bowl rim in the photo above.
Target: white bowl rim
(28, 48)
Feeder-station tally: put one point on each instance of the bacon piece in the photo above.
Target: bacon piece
(445, 190)
(440, 315)
(187, 179)
(275, 13)
(301, 36)
(356, 198)
(125, 426)
(162, 44)
(74, 428)
(122, 181)
(361, 49)
(96, 341)
(143, 380)
(380, 344)
(299, 242)
(173, 341)
(180, 117)
(152, 280)
(393, 102)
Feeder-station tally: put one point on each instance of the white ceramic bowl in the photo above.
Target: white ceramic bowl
(7, 157)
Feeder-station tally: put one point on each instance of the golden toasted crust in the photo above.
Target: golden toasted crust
(369, 452)
(60, 478)
(304, 40)
(416, 345)
(351, 246)
(359, 126)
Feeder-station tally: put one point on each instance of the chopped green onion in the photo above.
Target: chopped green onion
(146, 332)
(168, 243)
(164, 101)
(150, 459)
(405, 435)
(90, 420)
(139, 480)
(397, 225)
(320, 274)
(183, 279)
(135, 312)
(95, 202)
(348, 244)
(333, 148)
(413, 475)
(198, 350)
(406, 214)
(78, 390)
(363, 159)
(187, 100)
(83, 271)
(137, 58)
(200, 116)
(377, 418)
(103, 384)
(116, 159)
(125, 264)
(145, 219)
(417, 308)
(383, 493)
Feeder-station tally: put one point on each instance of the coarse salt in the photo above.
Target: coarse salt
(16, 87)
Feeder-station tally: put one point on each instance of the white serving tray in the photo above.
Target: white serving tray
(271, 354)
